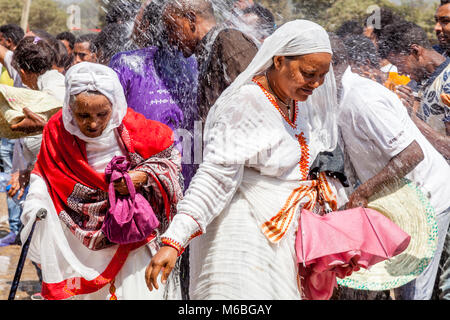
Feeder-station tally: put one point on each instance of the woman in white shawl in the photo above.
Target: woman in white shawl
(242, 207)
(77, 258)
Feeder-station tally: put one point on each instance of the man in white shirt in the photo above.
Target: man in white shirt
(384, 145)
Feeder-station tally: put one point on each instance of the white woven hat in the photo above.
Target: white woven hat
(410, 209)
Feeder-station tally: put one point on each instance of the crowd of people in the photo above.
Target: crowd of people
(227, 128)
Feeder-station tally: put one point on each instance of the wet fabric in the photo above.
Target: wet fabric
(162, 85)
(79, 192)
(433, 109)
(254, 158)
(375, 125)
(160, 96)
(75, 196)
(222, 55)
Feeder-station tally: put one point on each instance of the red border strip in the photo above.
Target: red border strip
(78, 285)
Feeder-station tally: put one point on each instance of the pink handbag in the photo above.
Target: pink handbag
(129, 218)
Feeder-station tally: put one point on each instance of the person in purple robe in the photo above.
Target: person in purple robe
(160, 83)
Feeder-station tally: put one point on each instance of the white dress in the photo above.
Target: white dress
(63, 256)
(254, 158)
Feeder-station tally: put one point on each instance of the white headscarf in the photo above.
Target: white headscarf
(87, 76)
(294, 38)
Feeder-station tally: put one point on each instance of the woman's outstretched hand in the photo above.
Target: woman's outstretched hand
(137, 177)
(163, 261)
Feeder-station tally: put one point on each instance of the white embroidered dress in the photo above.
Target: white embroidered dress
(241, 184)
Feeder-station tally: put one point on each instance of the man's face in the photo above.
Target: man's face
(442, 27)
(179, 33)
(82, 53)
(408, 64)
(5, 42)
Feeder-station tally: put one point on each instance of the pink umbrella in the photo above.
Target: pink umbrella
(340, 242)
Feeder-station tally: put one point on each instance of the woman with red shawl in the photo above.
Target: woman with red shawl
(69, 181)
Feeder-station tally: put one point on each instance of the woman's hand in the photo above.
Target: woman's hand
(24, 181)
(163, 261)
(138, 178)
(15, 184)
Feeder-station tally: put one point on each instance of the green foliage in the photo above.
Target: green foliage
(344, 10)
(47, 15)
(10, 11)
(51, 14)
(44, 14)
(420, 12)
(92, 15)
(332, 13)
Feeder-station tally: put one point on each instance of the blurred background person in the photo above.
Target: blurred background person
(260, 20)
(114, 38)
(442, 28)
(84, 49)
(68, 39)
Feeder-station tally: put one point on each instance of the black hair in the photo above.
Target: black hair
(443, 2)
(265, 17)
(350, 27)
(62, 59)
(203, 8)
(90, 38)
(340, 55)
(387, 17)
(33, 55)
(361, 51)
(43, 34)
(399, 37)
(12, 32)
(122, 11)
(68, 36)
(112, 39)
(155, 33)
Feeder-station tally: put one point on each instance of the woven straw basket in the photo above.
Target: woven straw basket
(13, 100)
(407, 206)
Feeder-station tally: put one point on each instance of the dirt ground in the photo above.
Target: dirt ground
(9, 256)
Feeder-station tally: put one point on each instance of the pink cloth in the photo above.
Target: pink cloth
(336, 244)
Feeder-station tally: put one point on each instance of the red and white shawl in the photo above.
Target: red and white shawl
(79, 193)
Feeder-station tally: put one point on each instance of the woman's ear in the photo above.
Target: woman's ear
(278, 62)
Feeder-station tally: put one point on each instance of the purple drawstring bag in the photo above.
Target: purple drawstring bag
(129, 218)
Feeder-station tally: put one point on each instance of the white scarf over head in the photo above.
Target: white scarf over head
(87, 76)
(294, 38)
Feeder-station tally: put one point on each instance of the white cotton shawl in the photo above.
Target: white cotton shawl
(295, 38)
